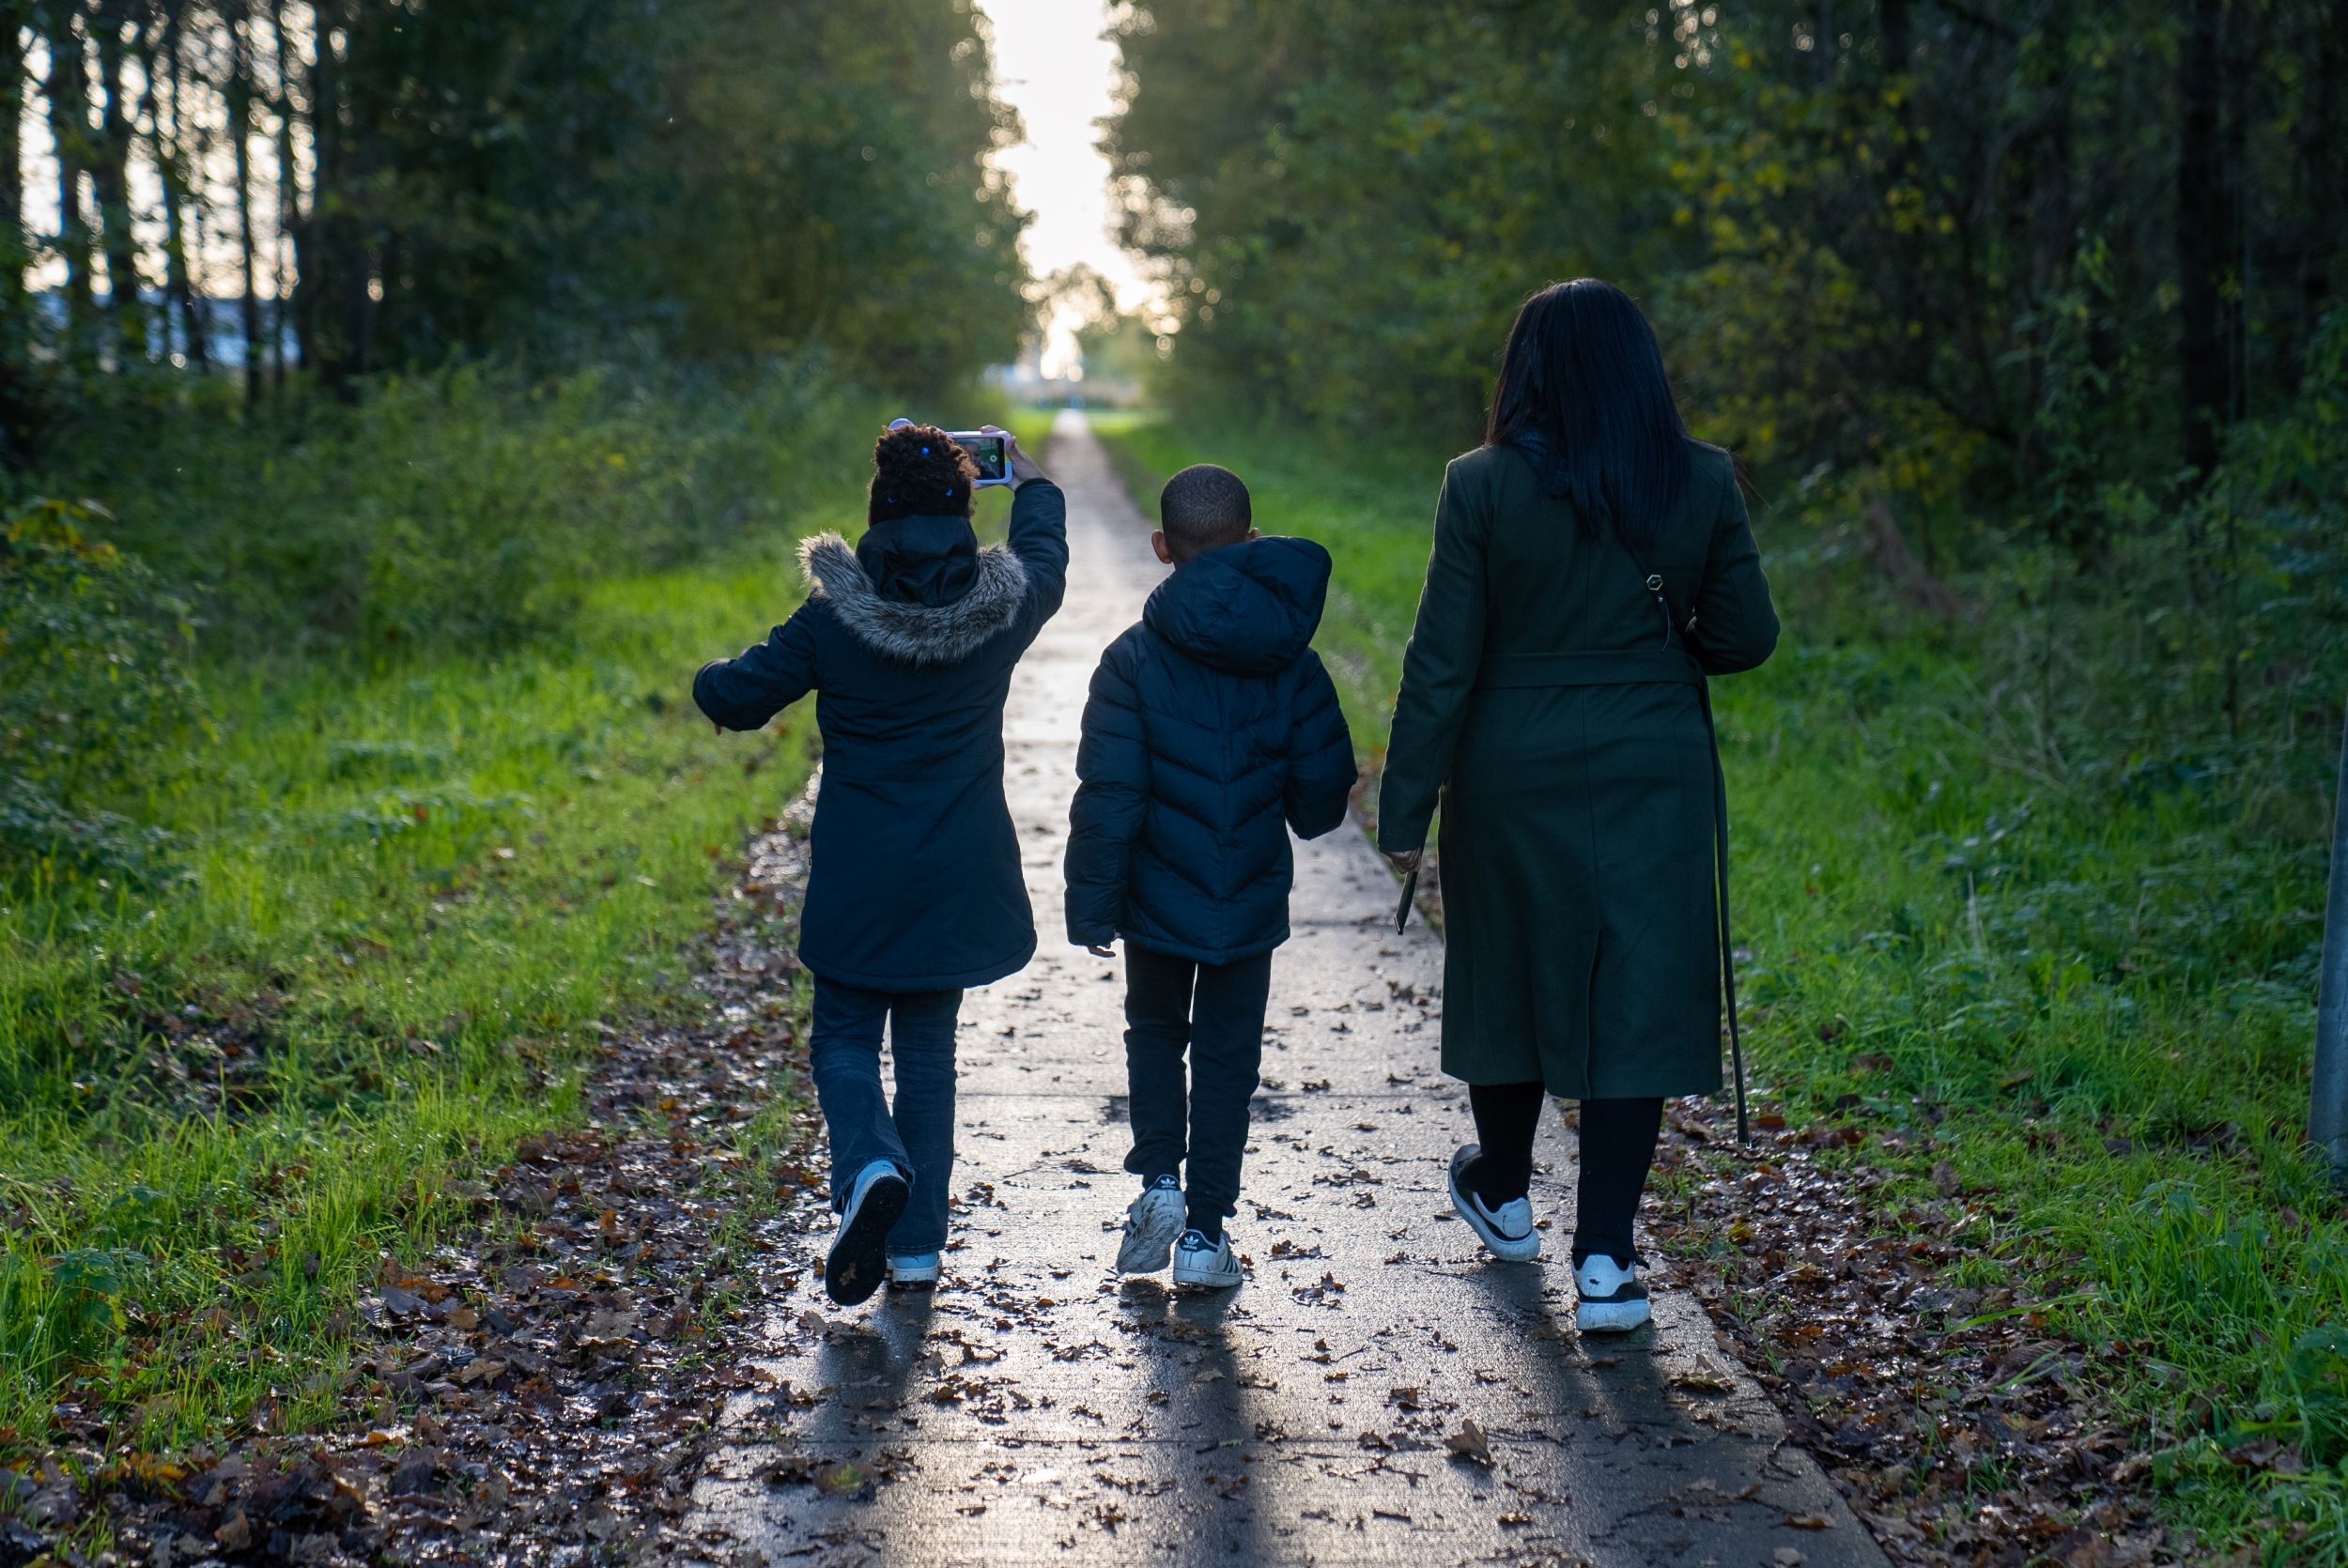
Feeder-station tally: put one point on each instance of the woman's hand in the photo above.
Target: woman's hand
(1404, 861)
(1022, 468)
(1099, 951)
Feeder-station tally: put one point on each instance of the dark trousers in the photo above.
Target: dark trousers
(916, 1134)
(1214, 1011)
(1617, 1146)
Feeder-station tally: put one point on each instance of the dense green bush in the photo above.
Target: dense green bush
(463, 510)
(94, 690)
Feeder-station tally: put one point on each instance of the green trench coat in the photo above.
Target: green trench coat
(1571, 748)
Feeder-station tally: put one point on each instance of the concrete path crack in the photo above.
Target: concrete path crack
(1040, 1410)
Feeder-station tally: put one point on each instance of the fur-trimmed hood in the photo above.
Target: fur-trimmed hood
(906, 630)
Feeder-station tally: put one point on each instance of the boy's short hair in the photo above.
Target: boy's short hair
(1204, 508)
(918, 471)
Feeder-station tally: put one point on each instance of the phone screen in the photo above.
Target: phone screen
(987, 453)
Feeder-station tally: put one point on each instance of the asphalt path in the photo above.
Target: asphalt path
(1378, 1391)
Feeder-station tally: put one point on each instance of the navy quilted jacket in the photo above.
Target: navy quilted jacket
(1211, 731)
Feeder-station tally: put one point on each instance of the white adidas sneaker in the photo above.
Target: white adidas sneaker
(1153, 1221)
(1210, 1264)
(1507, 1230)
(1613, 1300)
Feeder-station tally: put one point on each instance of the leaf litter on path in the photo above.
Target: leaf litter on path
(549, 1379)
(1961, 1427)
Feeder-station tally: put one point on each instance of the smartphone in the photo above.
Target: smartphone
(992, 454)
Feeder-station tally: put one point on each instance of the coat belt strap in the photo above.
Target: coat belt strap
(1614, 667)
(1645, 667)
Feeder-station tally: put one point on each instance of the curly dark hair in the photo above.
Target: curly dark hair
(918, 471)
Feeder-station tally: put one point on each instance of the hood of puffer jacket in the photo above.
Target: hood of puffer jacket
(916, 590)
(928, 560)
(1247, 609)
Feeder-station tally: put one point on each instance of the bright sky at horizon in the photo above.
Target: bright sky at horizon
(1055, 64)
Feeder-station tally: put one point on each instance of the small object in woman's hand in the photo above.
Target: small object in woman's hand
(1100, 951)
(1409, 894)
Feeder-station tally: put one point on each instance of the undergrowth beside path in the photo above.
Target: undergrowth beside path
(412, 900)
(2029, 980)
(406, 900)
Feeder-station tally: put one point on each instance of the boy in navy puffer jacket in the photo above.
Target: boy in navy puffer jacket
(1212, 730)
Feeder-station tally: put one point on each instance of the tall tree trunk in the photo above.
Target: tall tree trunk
(2057, 219)
(111, 177)
(289, 217)
(147, 108)
(240, 131)
(171, 160)
(2241, 54)
(351, 262)
(2206, 251)
(2319, 171)
(69, 127)
(15, 254)
(312, 327)
(16, 393)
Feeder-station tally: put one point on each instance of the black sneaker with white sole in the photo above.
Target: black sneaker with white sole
(858, 1261)
(1612, 1301)
(1507, 1230)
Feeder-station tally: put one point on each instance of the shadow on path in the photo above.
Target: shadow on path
(1376, 1393)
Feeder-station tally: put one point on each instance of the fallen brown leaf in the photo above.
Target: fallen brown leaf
(1469, 1443)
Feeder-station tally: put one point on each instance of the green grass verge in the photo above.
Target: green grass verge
(411, 898)
(2084, 959)
(413, 894)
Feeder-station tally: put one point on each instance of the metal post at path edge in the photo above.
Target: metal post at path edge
(2327, 1112)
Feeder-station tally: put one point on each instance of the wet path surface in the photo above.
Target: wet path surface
(1375, 1393)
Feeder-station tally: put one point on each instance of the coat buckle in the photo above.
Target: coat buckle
(1654, 582)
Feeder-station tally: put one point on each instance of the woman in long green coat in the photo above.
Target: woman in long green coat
(1591, 565)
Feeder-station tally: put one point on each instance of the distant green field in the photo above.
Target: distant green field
(1970, 897)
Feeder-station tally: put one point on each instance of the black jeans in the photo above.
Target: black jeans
(1617, 1146)
(917, 1134)
(1215, 1012)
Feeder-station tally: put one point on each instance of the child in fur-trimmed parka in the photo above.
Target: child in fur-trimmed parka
(1211, 732)
(915, 891)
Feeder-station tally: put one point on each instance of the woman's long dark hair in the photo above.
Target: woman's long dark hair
(1582, 393)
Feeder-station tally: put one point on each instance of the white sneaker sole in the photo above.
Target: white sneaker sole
(919, 1277)
(1157, 1220)
(1521, 1249)
(1207, 1279)
(1610, 1317)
